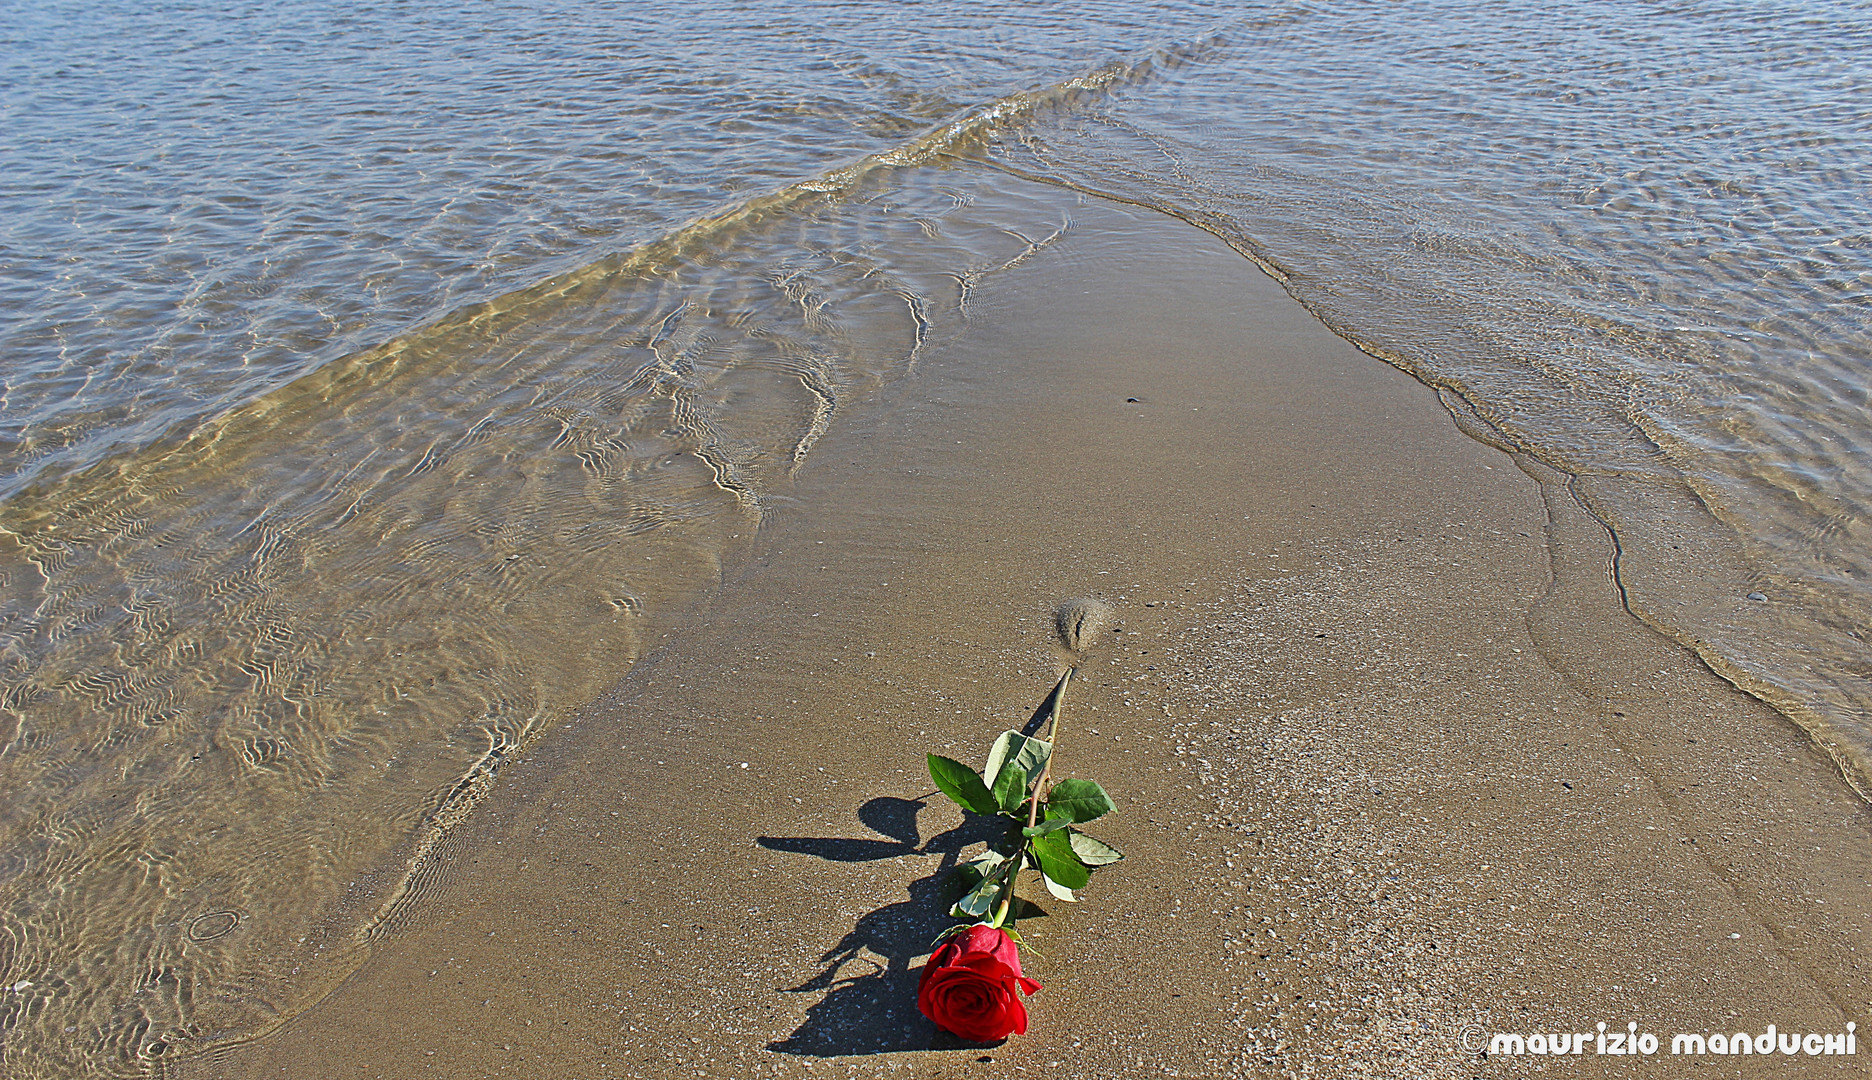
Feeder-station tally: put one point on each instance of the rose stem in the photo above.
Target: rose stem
(1033, 804)
(1059, 703)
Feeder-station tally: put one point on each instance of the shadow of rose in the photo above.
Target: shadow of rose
(873, 1011)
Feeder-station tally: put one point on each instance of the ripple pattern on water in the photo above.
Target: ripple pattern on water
(202, 204)
(373, 376)
(1636, 240)
(251, 678)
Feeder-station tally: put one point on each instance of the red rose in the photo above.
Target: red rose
(969, 986)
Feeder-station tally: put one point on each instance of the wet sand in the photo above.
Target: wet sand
(1395, 768)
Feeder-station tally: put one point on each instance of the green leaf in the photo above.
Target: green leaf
(1010, 788)
(1059, 890)
(1058, 862)
(1016, 749)
(1094, 853)
(977, 902)
(962, 785)
(1045, 827)
(1078, 801)
(987, 860)
(980, 900)
(972, 872)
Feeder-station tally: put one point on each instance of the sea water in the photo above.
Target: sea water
(370, 375)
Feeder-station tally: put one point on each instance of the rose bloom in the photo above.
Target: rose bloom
(969, 986)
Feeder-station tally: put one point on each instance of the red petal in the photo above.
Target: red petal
(987, 967)
(1017, 1013)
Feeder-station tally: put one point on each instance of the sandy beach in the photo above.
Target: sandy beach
(1396, 769)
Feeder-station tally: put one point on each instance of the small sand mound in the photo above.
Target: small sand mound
(1078, 622)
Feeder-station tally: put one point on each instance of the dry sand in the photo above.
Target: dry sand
(1395, 767)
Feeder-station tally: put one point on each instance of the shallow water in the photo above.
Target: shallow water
(1636, 241)
(371, 378)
